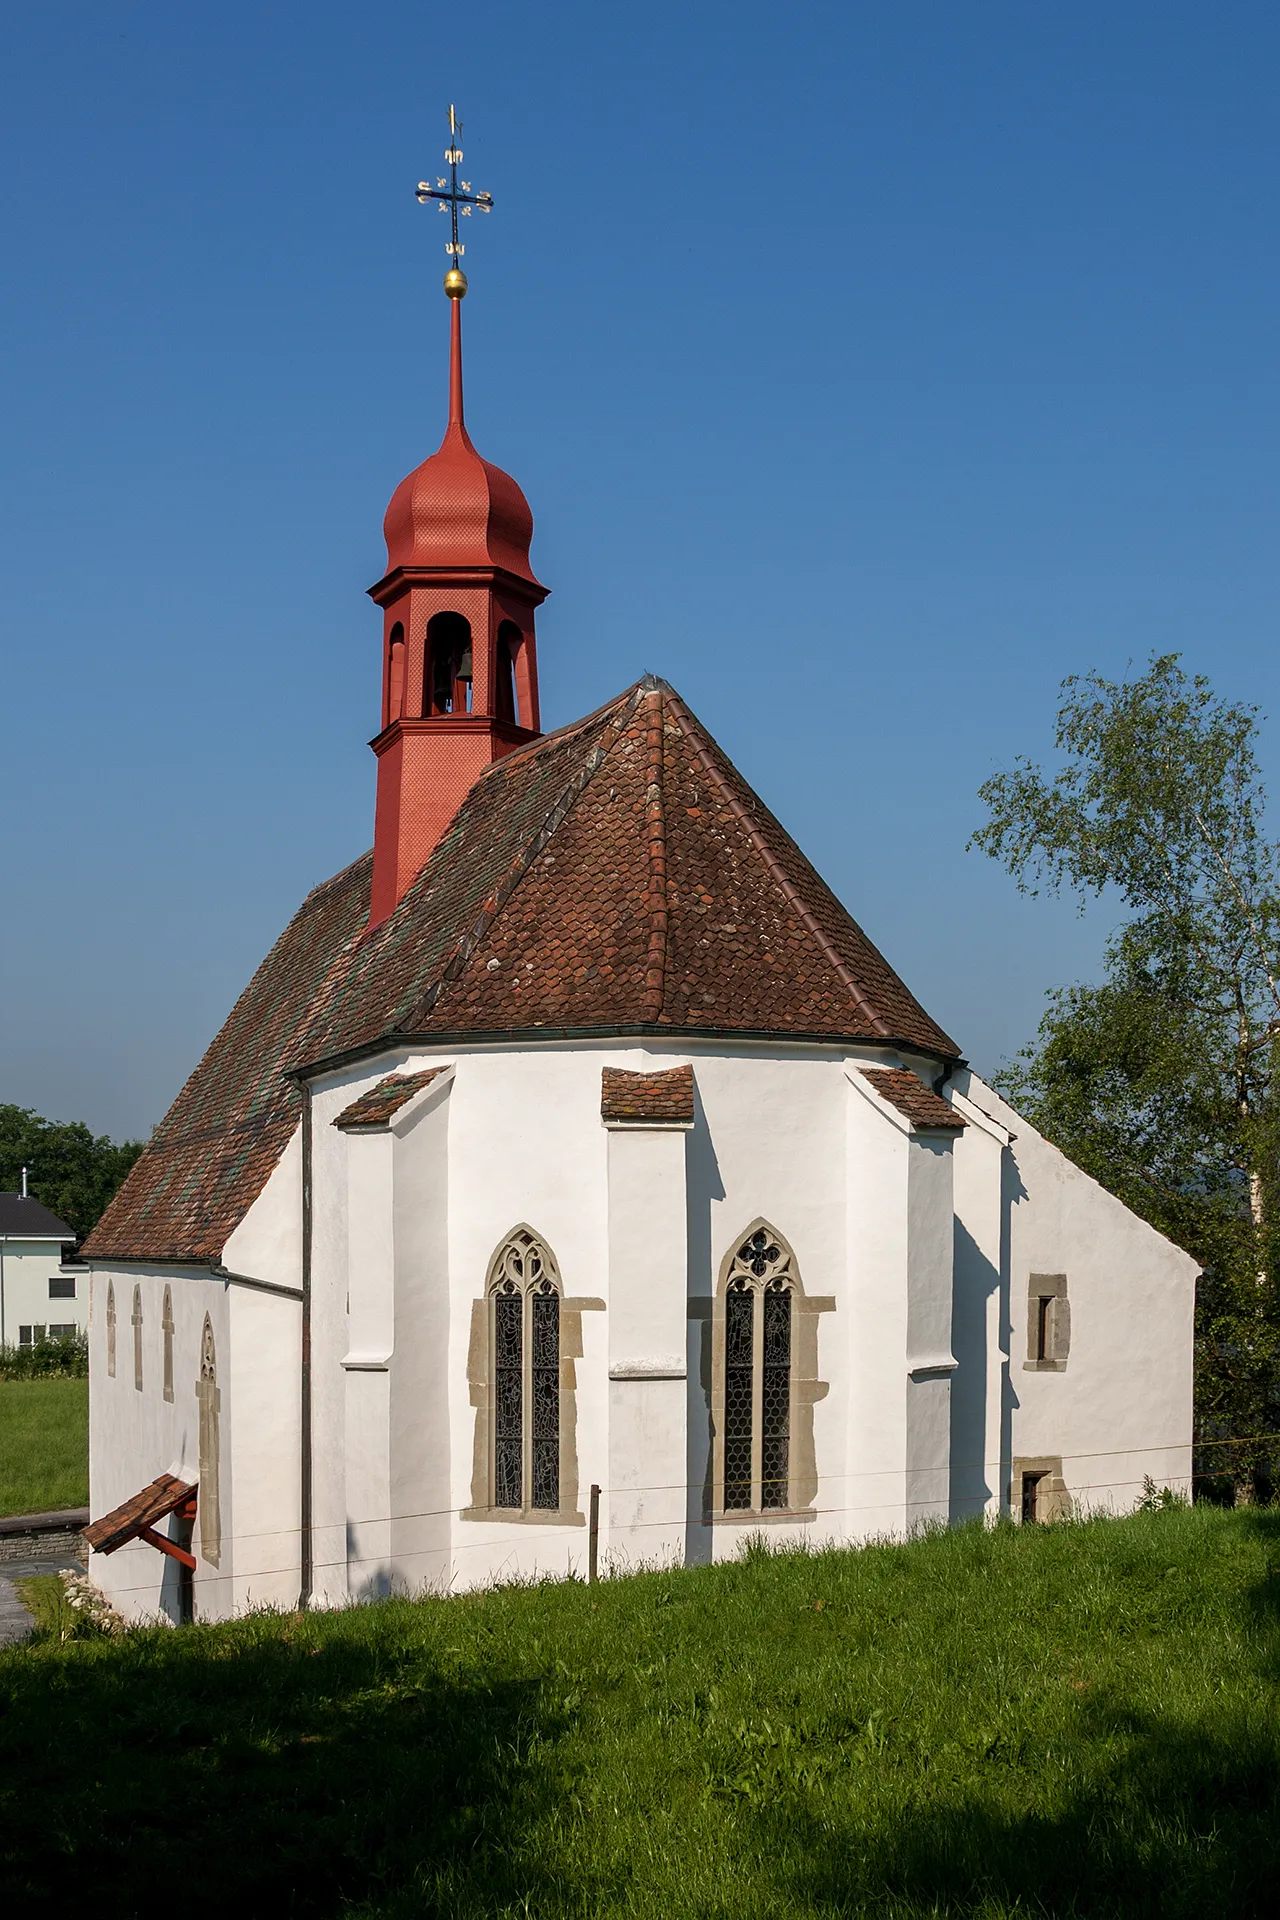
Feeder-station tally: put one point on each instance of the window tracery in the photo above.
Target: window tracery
(760, 1285)
(524, 1291)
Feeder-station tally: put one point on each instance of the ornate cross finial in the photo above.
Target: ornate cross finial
(456, 196)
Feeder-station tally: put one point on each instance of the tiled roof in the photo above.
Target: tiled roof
(916, 1102)
(652, 1098)
(22, 1216)
(379, 1107)
(124, 1523)
(616, 876)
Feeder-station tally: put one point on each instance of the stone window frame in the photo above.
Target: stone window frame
(483, 1389)
(136, 1321)
(1048, 1311)
(806, 1390)
(1046, 1470)
(209, 1400)
(111, 1329)
(166, 1327)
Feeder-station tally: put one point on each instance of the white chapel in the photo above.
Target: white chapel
(574, 1156)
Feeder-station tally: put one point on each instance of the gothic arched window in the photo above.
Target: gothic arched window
(524, 1291)
(137, 1338)
(447, 674)
(166, 1325)
(759, 1288)
(111, 1329)
(210, 1402)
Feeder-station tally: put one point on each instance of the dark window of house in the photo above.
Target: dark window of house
(1031, 1496)
(62, 1286)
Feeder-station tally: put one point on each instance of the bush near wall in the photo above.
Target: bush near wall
(63, 1359)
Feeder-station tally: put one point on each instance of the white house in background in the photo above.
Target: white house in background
(40, 1293)
(577, 1136)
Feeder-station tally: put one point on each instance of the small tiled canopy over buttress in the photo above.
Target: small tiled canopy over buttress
(616, 878)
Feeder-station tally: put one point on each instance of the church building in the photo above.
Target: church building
(574, 1153)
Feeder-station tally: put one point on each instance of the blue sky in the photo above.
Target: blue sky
(868, 369)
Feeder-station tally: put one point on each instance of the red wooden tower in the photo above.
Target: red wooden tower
(460, 674)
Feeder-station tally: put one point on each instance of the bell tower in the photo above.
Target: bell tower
(459, 655)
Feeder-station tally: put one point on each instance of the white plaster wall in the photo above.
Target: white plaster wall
(874, 1345)
(261, 1449)
(644, 1516)
(26, 1268)
(135, 1436)
(1123, 1407)
(930, 1251)
(421, 1390)
(980, 1403)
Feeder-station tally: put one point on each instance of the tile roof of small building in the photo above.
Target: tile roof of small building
(378, 1107)
(125, 1522)
(617, 876)
(915, 1102)
(26, 1218)
(653, 1099)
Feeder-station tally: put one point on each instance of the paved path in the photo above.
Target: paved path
(15, 1622)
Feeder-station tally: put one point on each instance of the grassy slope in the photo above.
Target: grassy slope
(44, 1445)
(1073, 1720)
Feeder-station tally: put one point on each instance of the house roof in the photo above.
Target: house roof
(27, 1219)
(378, 1107)
(647, 1099)
(618, 876)
(914, 1101)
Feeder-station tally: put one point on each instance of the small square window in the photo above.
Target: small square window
(62, 1286)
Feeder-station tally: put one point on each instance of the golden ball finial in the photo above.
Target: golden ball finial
(455, 283)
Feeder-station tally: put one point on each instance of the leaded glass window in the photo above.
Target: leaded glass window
(739, 1380)
(524, 1288)
(756, 1416)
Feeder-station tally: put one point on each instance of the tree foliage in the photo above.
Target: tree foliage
(1164, 1080)
(72, 1171)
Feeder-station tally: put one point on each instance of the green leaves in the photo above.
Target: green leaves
(1162, 1081)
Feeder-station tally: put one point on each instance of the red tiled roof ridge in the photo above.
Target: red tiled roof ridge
(655, 978)
(702, 744)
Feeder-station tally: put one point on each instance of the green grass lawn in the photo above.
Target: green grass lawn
(1076, 1720)
(44, 1445)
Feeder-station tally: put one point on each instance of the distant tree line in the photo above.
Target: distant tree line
(1163, 1080)
(71, 1171)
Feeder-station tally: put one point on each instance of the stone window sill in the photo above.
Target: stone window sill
(1044, 1366)
(765, 1517)
(530, 1517)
